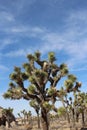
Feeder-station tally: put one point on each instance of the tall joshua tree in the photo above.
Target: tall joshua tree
(43, 77)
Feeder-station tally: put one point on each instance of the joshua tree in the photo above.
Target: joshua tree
(19, 115)
(8, 116)
(80, 103)
(36, 106)
(71, 87)
(23, 112)
(25, 115)
(29, 116)
(43, 77)
(62, 112)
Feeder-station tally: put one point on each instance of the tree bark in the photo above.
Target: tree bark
(83, 121)
(44, 119)
(38, 120)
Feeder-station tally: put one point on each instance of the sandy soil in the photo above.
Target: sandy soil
(54, 125)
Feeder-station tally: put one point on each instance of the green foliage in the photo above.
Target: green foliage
(51, 57)
(24, 76)
(14, 93)
(32, 79)
(61, 93)
(6, 111)
(30, 57)
(13, 76)
(31, 89)
(64, 69)
(27, 68)
(33, 103)
(47, 105)
(17, 69)
(7, 95)
(40, 73)
(72, 77)
(63, 66)
(51, 91)
(68, 84)
(61, 111)
(37, 55)
(12, 85)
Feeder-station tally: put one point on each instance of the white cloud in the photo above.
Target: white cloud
(77, 51)
(84, 68)
(19, 52)
(25, 31)
(72, 41)
(6, 42)
(20, 6)
(6, 17)
(77, 16)
(3, 68)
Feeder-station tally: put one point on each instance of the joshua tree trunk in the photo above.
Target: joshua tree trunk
(73, 117)
(73, 120)
(83, 121)
(44, 119)
(77, 117)
(38, 120)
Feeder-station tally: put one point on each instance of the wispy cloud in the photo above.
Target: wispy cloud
(3, 68)
(19, 52)
(84, 68)
(27, 31)
(6, 17)
(72, 41)
(77, 16)
(19, 6)
(6, 42)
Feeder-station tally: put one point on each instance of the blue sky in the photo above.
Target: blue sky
(45, 25)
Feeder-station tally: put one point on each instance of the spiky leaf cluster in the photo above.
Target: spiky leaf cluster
(27, 68)
(47, 105)
(7, 95)
(51, 91)
(30, 57)
(31, 89)
(33, 103)
(61, 111)
(63, 69)
(70, 83)
(37, 56)
(51, 57)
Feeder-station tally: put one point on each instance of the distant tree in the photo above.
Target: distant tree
(70, 87)
(36, 106)
(43, 77)
(62, 112)
(24, 116)
(80, 104)
(7, 113)
(19, 115)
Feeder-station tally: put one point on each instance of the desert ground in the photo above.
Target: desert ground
(55, 124)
